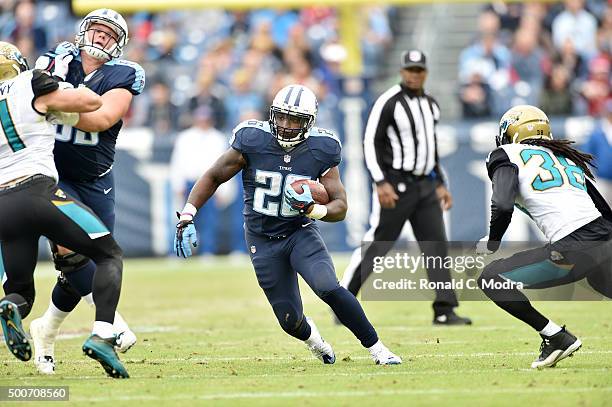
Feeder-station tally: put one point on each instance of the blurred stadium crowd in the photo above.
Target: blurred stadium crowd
(231, 61)
(556, 56)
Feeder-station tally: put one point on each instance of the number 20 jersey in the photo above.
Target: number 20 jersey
(552, 189)
(84, 156)
(270, 169)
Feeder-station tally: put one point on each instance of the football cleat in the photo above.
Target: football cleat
(103, 350)
(125, 340)
(44, 345)
(451, 319)
(555, 348)
(383, 356)
(14, 335)
(321, 350)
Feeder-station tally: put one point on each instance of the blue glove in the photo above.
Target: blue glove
(299, 202)
(185, 237)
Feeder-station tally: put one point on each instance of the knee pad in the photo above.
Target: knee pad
(288, 317)
(68, 263)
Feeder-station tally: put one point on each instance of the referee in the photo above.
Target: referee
(402, 158)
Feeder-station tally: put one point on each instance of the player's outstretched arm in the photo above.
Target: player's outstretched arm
(68, 100)
(226, 166)
(115, 104)
(337, 206)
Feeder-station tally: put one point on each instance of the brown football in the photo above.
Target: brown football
(319, 194)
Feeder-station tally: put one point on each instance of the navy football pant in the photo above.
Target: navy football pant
(99, 195)
(37, 207)
(277, 262)
(586, 253)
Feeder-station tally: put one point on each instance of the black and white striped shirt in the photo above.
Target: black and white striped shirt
(401, 134)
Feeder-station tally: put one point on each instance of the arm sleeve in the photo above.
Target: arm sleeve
(375, 135)
(505, 190)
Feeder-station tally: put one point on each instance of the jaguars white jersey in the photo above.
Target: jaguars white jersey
(552, 189)
(26, 138)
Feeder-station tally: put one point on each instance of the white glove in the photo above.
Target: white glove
(56, 66)
(481, 247)
(64, 118)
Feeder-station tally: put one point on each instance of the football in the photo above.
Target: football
(319, 194)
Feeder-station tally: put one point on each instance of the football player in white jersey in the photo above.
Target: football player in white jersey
(31, 204)
(549, 181)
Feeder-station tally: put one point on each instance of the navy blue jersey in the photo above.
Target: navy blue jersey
(270, 168)
(81, 155)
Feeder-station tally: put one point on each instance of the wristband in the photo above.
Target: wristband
(189, 211)
(317, 212)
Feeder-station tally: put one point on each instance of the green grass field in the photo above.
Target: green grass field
(207, 334)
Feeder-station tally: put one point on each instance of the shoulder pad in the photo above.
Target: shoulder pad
(127, 74)
(251, 136)
(497, 158)
(325, 146)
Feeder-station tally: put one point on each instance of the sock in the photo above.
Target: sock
(81, 279)
(314, 338)
(119, 324)
(550, 329)
(103, 329)
(89, 299)
(349, 312)
(54, 316)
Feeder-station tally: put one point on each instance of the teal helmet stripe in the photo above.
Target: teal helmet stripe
(86, 221)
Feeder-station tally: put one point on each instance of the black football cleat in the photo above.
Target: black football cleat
(555, 348)
(451, 318)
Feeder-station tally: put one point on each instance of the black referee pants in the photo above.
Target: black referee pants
(420, 205)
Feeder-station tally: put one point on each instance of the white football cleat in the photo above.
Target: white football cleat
(44, 345)
(319, 348)
(124, 341)
(383, 356)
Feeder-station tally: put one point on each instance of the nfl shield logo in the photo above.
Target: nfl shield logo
(253, 249)
(287, 158)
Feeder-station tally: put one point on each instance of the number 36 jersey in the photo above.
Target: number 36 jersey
(552, 189)
(84, 156)
(270, 169)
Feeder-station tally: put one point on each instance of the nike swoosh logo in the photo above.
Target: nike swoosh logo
(106, 191)
(307, 224)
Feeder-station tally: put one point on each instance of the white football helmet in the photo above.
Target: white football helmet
(112, 20)
(292, 114)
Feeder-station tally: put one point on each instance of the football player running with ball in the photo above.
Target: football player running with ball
(281, 231)
(84, 156)
(549, 181)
